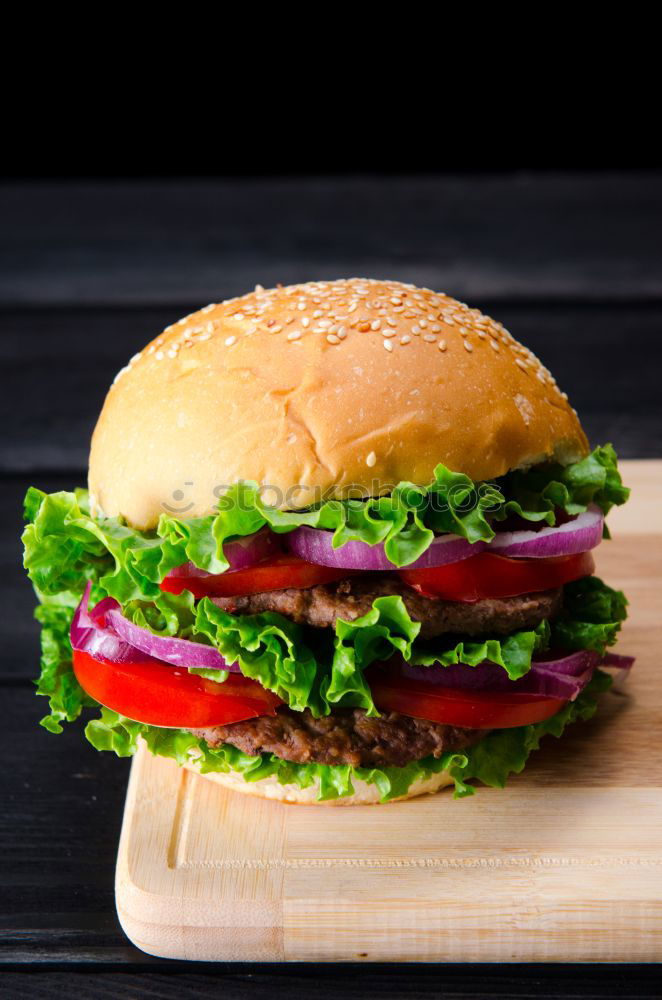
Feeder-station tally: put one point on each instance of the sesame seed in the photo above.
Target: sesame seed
(442, 345)
(388, 345)
(305, 321)
(520, 364)
(229, 341)
(391, 321)
(159, 355)
(341, 332)
(494, 344)
(406, 339)
(468, 346)
(371, 460)
(430, 337)
(389, 333)
(376, 323)
(416, 330)
(294, 335)
(332, 339)
(435, 328)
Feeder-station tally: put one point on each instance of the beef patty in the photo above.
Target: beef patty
(350, 598)
(347, 736)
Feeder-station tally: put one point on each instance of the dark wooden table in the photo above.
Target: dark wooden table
(90, 272)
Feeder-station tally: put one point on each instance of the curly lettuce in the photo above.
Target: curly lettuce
(65, 546)
(320, 669)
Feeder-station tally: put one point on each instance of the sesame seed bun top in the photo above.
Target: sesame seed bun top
(313, 389)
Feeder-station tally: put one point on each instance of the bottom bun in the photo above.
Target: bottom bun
(365, 794)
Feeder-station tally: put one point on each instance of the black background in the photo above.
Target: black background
(91, 268)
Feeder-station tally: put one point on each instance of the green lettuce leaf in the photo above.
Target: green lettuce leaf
(57, 680)
(65, 546)
(536, 493)
(499, 754)
(317, 669)
(269, 648)
(513, 652)
(591, 616)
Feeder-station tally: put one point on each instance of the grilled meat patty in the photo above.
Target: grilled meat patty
(350, 598)
(347, 736)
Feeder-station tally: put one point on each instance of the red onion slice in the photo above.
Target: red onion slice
(565, 677)
(315, 546)
(240, 553)
(584, 532)
(106, 634)
(619, 668)
(89, 633)
(178, 652)
(617, 661)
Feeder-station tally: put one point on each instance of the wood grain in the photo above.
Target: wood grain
(563, 865)
(509, 236)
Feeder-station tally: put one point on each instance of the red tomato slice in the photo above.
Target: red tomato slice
(490, 575)
(272, 574)
(458, 707)
(160, 695)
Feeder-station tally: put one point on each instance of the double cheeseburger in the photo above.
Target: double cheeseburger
(336, 547)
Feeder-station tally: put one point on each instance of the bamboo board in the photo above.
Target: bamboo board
(565, 864)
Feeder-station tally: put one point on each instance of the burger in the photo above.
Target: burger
(337, 547)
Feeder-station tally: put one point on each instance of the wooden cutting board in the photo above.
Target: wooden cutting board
(563, 865)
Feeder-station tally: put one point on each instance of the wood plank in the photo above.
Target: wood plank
(58, 838)
(59, 365)
(355, 982)
(500, 236)
(565, 864)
